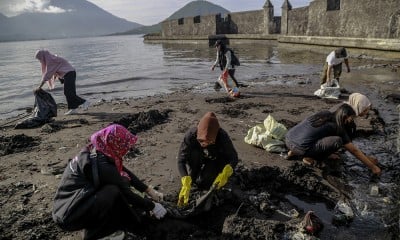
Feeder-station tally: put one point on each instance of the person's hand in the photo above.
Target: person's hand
(223, 177)
(36, 90)
(376, 170)
(159, 211)
(155, 195)
(183, 198)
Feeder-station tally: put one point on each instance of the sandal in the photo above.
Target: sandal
(308, 161)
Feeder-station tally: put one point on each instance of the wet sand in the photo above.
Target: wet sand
(32, 159)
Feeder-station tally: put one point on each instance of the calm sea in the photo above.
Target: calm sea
(125, 66)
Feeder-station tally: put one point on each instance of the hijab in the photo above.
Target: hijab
(114, 141)
(207, 129)
(44, 57)
(358, 102)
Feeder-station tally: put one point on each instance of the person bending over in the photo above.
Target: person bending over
(206, 157)
(333, 65)
(322, 134)
(94, 193)
(54, 67)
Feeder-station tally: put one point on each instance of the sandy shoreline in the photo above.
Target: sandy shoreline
(29, 176)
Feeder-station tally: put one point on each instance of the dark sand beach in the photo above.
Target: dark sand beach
(32, 160)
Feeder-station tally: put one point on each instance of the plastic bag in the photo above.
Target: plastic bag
(228, 84)
(331, 90)
(45, 109)
(311, 223)
(268, 135)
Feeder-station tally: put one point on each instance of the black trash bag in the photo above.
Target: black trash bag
(45, 109)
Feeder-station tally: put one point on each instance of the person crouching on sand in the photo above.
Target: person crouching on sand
(322, 134)
(206, 157)
(94, 193)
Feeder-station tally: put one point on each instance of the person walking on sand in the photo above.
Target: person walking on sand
(322, 134)
(206, 157)
(54, 67)
(333, 65)
(226, 61)
(95, 190)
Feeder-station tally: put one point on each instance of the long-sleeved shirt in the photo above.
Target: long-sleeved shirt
(223, 150)
(77, 187)
(224, 60)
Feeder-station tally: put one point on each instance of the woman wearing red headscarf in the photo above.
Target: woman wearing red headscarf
(94, 193)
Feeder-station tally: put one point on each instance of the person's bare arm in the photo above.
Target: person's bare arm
(328, 74)
(346, 61)
(363, 158)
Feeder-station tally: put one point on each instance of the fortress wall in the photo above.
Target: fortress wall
(250, 22)
(367, 18)
(206, 26)
(298, 21)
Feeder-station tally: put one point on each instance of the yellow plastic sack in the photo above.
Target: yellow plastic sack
(269, 135)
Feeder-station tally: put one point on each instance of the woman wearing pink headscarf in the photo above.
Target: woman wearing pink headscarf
(95, 191)
(54, 67)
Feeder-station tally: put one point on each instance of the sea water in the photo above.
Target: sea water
(124, 66)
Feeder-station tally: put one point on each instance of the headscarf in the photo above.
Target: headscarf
(208, 128)
(114, 141)
(44, 57)
(358, 102)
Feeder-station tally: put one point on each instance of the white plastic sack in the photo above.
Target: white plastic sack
(268, 135)
(329, 91)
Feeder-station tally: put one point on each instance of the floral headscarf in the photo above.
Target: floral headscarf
(114, 141)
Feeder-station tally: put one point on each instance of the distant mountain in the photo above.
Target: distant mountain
(192, 9)
(80, 19)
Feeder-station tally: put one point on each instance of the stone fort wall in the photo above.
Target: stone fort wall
(336, 18)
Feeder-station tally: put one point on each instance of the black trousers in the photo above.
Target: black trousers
(231, 73)
(319, 150)
(110, 212)
(73, 100)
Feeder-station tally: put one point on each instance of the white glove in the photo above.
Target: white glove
(159, 211)
(155, 195)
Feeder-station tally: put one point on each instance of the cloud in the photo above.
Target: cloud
(16, 7)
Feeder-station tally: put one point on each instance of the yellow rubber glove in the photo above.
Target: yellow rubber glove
(183, 199)
(222, 178)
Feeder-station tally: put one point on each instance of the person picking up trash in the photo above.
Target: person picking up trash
(206, 157)
(95, 190)
(54, 67)
(324, 133)
(333, 65)
(226, 60)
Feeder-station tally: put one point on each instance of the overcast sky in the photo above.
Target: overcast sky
(146, 12)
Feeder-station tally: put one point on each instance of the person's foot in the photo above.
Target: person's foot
(308, 161)
(85, 105)
(71, 112)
